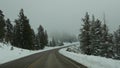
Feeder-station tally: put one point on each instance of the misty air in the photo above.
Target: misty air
(59, 34)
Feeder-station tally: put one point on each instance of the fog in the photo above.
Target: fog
(62, 15)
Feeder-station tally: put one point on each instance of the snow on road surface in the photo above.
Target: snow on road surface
(6, 54)
(91, 61)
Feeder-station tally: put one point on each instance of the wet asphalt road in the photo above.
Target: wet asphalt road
(46, 59)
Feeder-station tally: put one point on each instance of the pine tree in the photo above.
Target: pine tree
(2, 26)
(50, 43)
(41, 37)
(104, 40)
(101, 39)
(107, 45)
(46, 37)
(33, 38)
(37, 42)
(111, 47)
(27, 36)
(9, 32)
(23, 32)
(92, 35)
(117, 43)
(95, 38)
(53, 42)
(95, 34)
(17, 34)
(85, 36)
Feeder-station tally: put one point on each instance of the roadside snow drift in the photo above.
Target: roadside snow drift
(7, 54)
(91, 61)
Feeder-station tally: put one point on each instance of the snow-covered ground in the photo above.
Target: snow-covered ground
(6, 54)
(91, 61)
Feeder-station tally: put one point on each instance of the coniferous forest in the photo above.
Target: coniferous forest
(96, 39)
(21, 33)
(59, 34)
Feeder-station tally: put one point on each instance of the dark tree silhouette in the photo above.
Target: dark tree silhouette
(9, 32)
(23, 32)
(2, 26)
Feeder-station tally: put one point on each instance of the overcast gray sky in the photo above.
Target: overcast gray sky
(62, 15)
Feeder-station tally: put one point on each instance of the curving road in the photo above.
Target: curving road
(47, 59)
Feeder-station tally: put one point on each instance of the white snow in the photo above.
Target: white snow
(6, 54)
(91, 61)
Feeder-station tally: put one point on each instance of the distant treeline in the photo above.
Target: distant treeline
(64, 37)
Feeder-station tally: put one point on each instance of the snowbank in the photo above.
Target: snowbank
(6, 54)
(91, 61)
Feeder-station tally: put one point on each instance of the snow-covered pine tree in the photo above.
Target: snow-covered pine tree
(95, 36)
(84, 36)
(106, 42)
(92, 35)
(117, 43)
(2, 26)
(111, 47)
